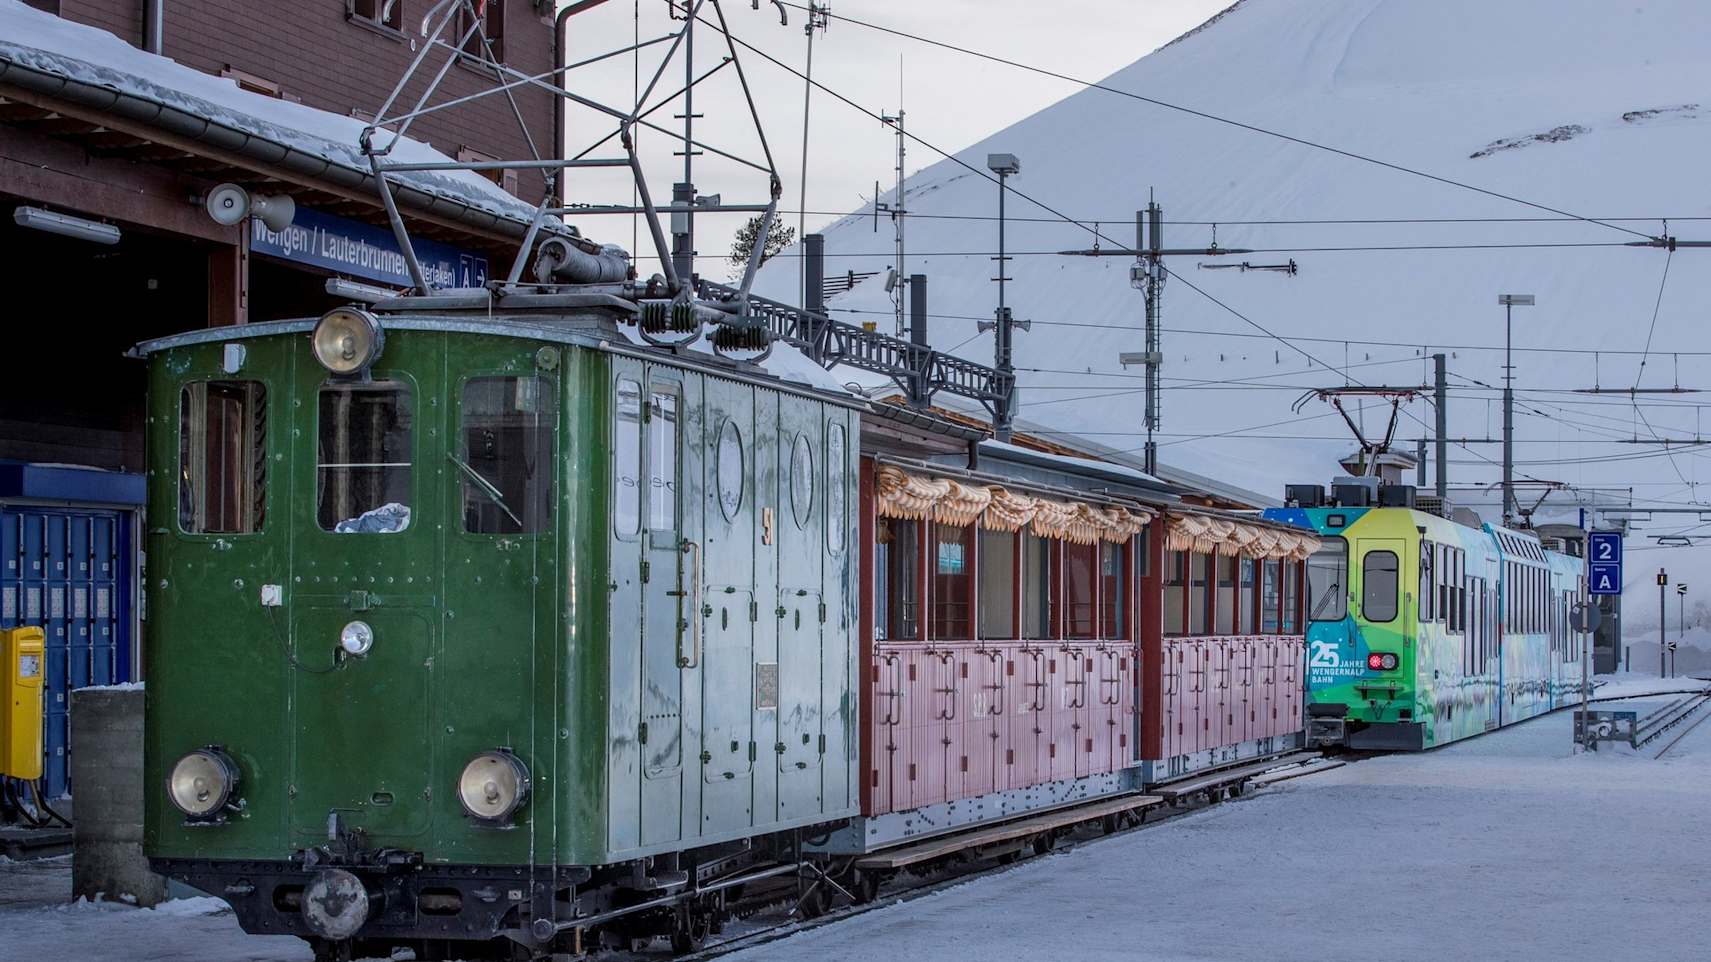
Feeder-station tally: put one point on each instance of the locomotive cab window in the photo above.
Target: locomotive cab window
(662, 460)
(364, 442)
(1327, 570)
(506, 454)
(222, 463)
(1380, 582)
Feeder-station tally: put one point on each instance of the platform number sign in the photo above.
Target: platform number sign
(1604, 562)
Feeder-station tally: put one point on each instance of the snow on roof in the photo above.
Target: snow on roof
(49, 44)
(1073, 463)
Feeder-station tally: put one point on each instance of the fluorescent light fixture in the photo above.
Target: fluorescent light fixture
(361, 293)
(65, 225)
(1515, 300)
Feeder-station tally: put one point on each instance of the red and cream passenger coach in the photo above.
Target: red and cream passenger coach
(1040, 630)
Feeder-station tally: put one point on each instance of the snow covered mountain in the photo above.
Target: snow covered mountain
(1590, 107)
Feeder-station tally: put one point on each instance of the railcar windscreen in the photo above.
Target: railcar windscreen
(1327, 573)
(507, 454)
(363, 471)
(1380, 582)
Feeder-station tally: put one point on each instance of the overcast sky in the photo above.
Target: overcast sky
(950, 99)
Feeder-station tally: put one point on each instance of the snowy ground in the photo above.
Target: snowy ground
(1508, 846)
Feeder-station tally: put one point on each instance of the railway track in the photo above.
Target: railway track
(1675, 714)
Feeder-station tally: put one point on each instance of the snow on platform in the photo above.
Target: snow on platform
(1508, 846)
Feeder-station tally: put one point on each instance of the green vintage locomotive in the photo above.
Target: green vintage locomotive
(476, 618)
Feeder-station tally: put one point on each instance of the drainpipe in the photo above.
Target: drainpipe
(154, 26)
(558, 81)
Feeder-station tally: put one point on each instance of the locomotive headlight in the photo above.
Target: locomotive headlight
(203, 782)
(493, 786)
(346, 340)
(356, 638)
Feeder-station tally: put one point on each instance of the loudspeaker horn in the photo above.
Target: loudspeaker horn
(277, 211)
(228, 204)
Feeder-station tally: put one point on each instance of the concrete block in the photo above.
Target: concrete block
(107, 775)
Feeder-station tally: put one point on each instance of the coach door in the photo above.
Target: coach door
(799, 608)
(730, 612)
(366, 566)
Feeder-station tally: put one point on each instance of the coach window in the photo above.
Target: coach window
(1199, 574)
(506, 454)
(1271, 596)
(1037, 571)
(627, 459)
(662, 460)
(1175, 588)
(953, 581)
(1224, 599)
(1292, 598)
(1113, 591)
(1423, 612)
(1380, 586)
(837, 480)
(1327, 568)
(1078, 574)
(897, 596)
(362, 472)
(1245, 602)
(222, 457)
(997, 583)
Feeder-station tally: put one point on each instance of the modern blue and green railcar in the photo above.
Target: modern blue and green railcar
(1423, 630)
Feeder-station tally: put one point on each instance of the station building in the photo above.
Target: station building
(117, 120)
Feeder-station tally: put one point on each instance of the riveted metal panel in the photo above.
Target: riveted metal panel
(769, 519)
(732, 683)
(800, 532)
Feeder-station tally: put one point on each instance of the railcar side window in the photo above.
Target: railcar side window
(1113, 591)
(364, 447)
(627, 458)
(506, 454)
(953, 580)
(222, 457)
(896, 599)
(662, 461)
(1271, 596)
(1175, 583)
(997, 583)
(1327, 570)
(1199, 574)
(1078, 573)
(1224, 605)
(1037, 615)
(1245, 606)
(1292, 598)
(1380, 583)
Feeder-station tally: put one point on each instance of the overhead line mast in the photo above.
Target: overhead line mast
(1148, 276)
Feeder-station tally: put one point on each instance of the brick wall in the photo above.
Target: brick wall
(317, 55)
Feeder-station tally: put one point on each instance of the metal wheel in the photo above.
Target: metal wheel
(864, 885)
(816, 898)
(1044, 842)
(1111, 824)
(689, 930)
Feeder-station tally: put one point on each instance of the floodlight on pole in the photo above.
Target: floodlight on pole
(1509, 302)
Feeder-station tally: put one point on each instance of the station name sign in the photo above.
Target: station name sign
(365, 251)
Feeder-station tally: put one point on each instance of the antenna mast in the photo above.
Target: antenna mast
(895, 284)
(817, 20)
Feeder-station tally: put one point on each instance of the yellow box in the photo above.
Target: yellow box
(21, 702)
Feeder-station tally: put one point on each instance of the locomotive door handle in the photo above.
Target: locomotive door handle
(694, 620)
(997, 686)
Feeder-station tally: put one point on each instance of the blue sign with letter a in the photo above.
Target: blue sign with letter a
(1604, 562)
